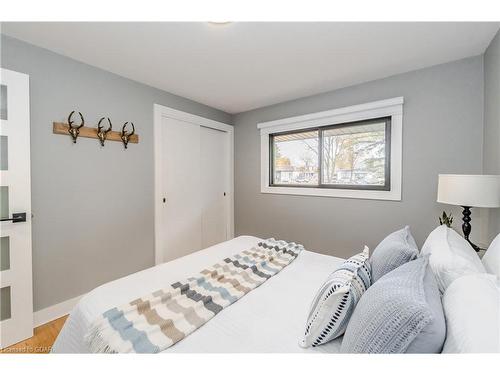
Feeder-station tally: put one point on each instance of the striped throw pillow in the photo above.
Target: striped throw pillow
(335, 301)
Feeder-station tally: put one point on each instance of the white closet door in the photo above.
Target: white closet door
(182, 184)
(214, 181)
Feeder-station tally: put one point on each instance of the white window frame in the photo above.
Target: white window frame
(392, 108)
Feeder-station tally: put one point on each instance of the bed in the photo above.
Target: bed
(277, 310)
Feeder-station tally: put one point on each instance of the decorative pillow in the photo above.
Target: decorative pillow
(400, 313)
(395, 250)
(472, 309)
(334, 303)
(451, 256)
(491, 260)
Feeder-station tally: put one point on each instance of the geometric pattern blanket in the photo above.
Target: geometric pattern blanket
(158, 320)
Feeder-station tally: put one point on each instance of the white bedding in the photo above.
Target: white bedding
(269, 319)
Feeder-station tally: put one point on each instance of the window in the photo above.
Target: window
(350, 152)
(295, 158)
(343, 156)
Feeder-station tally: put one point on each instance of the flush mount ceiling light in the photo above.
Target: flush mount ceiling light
(219, 23)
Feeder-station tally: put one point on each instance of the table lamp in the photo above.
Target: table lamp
(469, 191)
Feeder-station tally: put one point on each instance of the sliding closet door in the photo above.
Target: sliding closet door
(193, 183)
(214, 182)
(181, 230)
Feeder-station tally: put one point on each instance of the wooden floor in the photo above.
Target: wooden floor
(41, 342)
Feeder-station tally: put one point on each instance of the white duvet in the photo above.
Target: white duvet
(269, 319)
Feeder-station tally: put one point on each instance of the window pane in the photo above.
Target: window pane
(354, 155)
(295, 158)
(4, 153)
(4, 202)
(5, 312)
(3, 102)
(4, 253)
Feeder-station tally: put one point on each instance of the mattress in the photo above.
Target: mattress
(269, 319)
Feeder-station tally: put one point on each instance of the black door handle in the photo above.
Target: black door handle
(17, 218)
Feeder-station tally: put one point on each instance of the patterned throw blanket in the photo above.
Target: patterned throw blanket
(157, 321)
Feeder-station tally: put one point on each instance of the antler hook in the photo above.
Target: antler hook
(74, 131)
(102, 134)
(125, 136)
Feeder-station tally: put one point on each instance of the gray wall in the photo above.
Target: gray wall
(92, 206)
(491, 155)
(442, 133)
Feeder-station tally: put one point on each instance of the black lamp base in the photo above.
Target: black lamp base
(466, 227)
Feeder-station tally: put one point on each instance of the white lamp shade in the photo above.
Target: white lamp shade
(469, 190)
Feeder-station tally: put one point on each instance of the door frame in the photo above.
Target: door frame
(161, 112)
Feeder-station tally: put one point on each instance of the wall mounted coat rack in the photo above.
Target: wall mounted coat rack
(88, 132)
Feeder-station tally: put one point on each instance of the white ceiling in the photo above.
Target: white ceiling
(236, 67)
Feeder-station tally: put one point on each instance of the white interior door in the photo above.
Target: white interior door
(182, 183)
(16, 295)
(214, 175)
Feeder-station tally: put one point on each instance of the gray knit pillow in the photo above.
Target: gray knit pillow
(400, 313)
(395, 250)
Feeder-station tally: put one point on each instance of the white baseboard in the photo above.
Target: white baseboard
(53, 312)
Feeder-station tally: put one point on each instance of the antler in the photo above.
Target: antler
(110, 126)
(127, 133)
(71, 122)
(99, 127)
(81, 118)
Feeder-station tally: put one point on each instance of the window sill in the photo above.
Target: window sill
(391, 195)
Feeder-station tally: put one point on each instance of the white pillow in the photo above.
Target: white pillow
(335, 301)
(451, 256)
(472, 307)
(491, 260)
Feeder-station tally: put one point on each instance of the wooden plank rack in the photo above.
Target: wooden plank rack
(86, 132)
